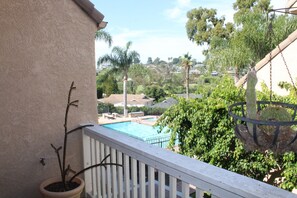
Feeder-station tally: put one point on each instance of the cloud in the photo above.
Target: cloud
(169, 42)
(126, 35)
(167, 46)
(173, 13)
(152, 44)
(184, 3)
(178, 11)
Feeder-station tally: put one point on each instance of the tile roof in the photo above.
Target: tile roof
(166, 103)
(132, 99)
(92, 12)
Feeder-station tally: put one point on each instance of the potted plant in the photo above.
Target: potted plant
(264, 125)
(66, 185)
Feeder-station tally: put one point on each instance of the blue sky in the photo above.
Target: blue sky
(156, 27)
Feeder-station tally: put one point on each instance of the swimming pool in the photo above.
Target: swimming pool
(142, 132)
(151, 119)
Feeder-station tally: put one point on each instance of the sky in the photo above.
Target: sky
(157, 27)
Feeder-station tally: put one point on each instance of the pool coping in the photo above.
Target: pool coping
(141, 120)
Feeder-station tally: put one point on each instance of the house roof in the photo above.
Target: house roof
(92, 12)
(171, 101)
(165, 103)
(193, 96)
(132, 99)
(283, 45)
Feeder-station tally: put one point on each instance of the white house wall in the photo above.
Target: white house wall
(279, 71)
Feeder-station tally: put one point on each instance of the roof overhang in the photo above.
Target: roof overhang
(282, 46)
(92, 12)
(292, 6)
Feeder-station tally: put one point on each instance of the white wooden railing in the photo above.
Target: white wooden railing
(150, 171)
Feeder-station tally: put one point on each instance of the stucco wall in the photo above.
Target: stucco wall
(44, 46)
(279, 71)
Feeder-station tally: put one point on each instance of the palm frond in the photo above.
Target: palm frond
(103, 35)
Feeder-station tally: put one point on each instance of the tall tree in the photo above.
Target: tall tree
(104, 36)
(244, 43)
(156, 92)
(232, 52)
(140, 74)
(156, 61)
(121, 59)
(106, 83)
(149, 60)
(203, 24)
(187, 63)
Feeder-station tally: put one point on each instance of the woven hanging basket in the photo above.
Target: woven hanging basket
(277, 136)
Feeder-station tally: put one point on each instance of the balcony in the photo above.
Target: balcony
(150, 171)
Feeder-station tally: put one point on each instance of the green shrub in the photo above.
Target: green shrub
(206, 132)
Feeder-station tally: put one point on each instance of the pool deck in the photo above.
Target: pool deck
(142, 120)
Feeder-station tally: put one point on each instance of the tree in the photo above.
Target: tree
(175, 61)
(230, 53)
(121, 59)
(155, 92)
(206, 132)
(106, 83)
(203, 25)
(149, 61)
(187, 63)
(156, 61)
(103, 35)
(244, 8)
(246, 42)
(140, 74)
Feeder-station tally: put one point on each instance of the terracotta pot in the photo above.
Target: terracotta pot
(75, 193)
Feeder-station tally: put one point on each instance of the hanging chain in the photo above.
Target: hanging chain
(270, 77)
(292, 81)
(270, 34)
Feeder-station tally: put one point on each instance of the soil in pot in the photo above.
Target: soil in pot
(59, 186)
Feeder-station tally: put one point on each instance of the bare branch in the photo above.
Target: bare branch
(80, 127)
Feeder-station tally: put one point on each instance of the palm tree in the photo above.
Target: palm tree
(121, 59)
(103, 35)
(187, 63)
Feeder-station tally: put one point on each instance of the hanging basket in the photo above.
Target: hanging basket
(277, 136)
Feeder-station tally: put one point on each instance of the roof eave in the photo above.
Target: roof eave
(92, 12)
(289, 40)
(291, 6)
(291, 3)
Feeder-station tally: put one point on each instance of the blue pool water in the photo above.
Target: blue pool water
(142, 132)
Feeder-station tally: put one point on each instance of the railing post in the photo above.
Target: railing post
(151, 182)
(186, 175)
(172, 184)
(87, 162)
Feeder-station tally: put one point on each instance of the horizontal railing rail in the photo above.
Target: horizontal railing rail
(151, 171)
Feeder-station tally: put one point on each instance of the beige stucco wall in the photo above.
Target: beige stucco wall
(279, 71)
(44, 46)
